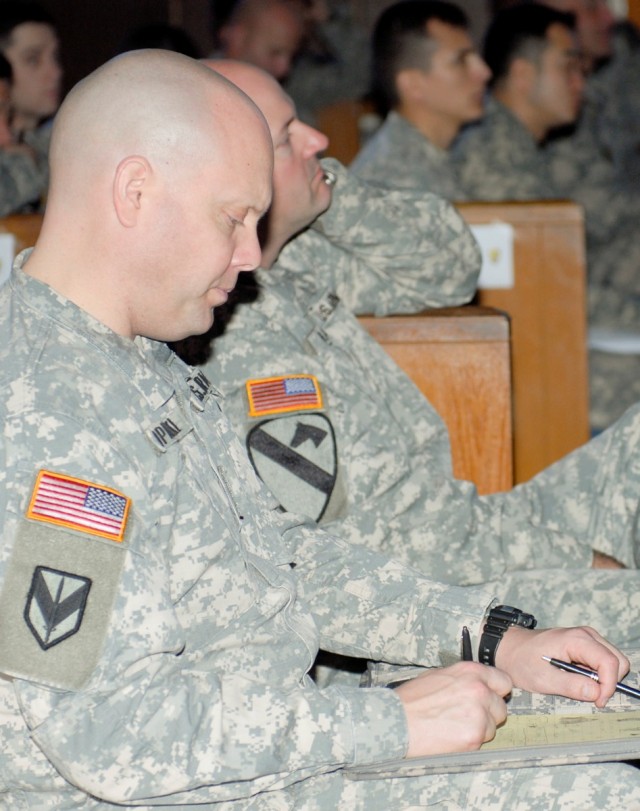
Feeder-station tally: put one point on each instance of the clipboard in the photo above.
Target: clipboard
(540, 730)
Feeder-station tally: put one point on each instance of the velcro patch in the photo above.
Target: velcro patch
(56, 604)
(296, 457)
(80, 505)
(278, 395)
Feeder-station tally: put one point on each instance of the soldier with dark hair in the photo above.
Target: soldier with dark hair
(29, 41)
(431, 80)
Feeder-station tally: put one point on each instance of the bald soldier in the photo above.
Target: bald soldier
(158, 617)
(266, 33)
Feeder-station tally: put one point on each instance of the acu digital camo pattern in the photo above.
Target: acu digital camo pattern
(198, 693)
(333, 67)
(197, 690)
(497, 159)
(398, 156)
(394, 464)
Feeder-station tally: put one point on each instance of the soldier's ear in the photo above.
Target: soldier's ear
(409, 84)
(522, 74)
(130, 184)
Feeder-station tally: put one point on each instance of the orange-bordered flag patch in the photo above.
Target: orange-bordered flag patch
(81, 505)
(277, 395)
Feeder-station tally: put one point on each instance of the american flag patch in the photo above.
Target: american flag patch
(276, 395)
(80, 505)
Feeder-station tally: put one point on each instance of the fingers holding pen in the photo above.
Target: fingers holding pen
(454, 709)
(521, 655)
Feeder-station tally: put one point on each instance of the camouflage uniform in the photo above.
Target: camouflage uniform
(380, 469)
(498, 159)
(398, 156)
(23, 178)
(606, 131)
(158, 618)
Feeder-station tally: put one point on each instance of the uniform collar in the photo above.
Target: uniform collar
(145, 363)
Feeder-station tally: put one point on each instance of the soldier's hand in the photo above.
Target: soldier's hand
(520, 653)
(454, 709)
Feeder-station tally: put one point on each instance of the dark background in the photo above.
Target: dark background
(91, 30)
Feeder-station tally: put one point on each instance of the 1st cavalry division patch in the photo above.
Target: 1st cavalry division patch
(296, 457)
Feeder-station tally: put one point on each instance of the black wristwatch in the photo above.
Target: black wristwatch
(498, 620)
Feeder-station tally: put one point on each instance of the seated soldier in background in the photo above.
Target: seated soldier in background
(6, 138)
(333, 63)
(430, 79)
(605, 141)
(29, 42)
(362, 451)
(266, 33)
(158, 616)
(503, 157)
(536, 86)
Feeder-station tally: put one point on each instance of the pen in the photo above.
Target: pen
(584, 671)
(467, 653)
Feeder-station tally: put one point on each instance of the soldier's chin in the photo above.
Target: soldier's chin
(474, 115)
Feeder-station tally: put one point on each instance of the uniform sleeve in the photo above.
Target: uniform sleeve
(582, 172)
(385, 251)
(369, 606)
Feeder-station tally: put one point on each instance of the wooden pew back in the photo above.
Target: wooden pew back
(459, 358)
(342, 123)
(547, 305)
(24, 227)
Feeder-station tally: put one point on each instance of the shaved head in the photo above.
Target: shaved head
(259, 85)
(160, 171)
(300, 188)
(159, 104)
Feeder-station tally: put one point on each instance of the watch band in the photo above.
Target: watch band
(499, 619)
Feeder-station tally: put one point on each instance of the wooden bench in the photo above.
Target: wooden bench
(459, 359)
(342, 123)
(547, 306)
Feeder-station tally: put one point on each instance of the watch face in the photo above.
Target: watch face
(509, 615)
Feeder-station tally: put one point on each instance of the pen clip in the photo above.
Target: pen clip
(467, 651)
